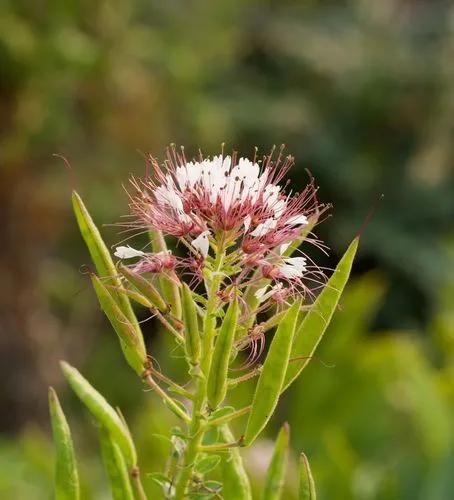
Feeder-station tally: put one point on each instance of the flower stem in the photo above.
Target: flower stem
(198, 420)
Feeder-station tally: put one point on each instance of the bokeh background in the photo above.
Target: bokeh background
(360, 91)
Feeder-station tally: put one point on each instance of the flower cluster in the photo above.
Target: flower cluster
(235, 203)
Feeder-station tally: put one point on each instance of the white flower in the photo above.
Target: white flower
(283, 247)
(128, 252)
(263, 295)
(261, 292)
(297, 220)
(247, 222)
(264, 227)
(201, 243)
(293, 267)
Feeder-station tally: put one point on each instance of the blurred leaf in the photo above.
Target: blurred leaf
(66, 475)
(236, 484)
(307, 485)
(115, 465)
(207, 464)
(275, 476)
(102, 411)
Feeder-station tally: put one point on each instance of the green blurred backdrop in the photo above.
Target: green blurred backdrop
(361, 92)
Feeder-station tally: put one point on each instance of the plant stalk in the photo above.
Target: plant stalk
(198, 420)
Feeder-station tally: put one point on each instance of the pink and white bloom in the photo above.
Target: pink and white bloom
(237, 200)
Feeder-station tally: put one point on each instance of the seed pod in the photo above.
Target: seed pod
(317, 319)
(218, 380)
(66, 476)
(144, 287)
(101, 256)
(269, 385)
(102, 412)
(115, 466)
(307, 484)
(275, 476)
(131, 341)
(236, 481)
(191, 326)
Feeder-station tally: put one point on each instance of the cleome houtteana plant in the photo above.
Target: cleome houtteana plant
(242, 236)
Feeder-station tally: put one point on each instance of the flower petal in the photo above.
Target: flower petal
(127, 252)
(201, 243)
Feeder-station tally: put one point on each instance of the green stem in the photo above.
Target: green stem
(198, 420)
(170, 402)
(216, 422)
(137, 484)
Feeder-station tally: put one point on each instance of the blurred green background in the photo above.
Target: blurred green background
(361, 92)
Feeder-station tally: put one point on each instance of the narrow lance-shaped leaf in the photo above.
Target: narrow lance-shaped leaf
(191, 327)
(275, 476)
(102, 412)
(218, 380)
(144, 287)
(317, 319)
(66, 475)
(271, 378)
(307, 485)
(169, 286)
(131, 341)
(236, 484)
(115, 466)
(101, 255)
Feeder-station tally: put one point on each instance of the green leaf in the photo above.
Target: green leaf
(100, 255)
(236, 484)
(317, 319)
(221, 412)
(269, 385)
(214, 486)
(162, 480)
(275, 476)
(115, 466)
(102, 412)
(207, 464)
(66, 475)
(191, 326)
(307, 485)
(218, 380)
(131, 340)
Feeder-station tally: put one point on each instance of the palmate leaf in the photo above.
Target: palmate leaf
(315, 322)
(275, 476)
(269, 385)
(66, 475)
